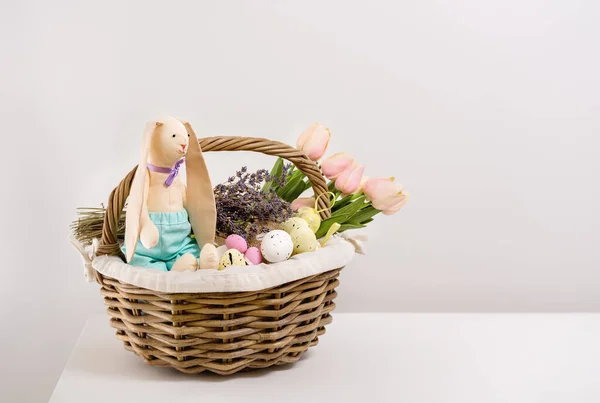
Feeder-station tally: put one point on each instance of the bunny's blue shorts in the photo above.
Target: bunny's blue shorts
(174, 241)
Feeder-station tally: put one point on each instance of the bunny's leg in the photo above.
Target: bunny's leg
(209, 257)
(148, 261)
(187, 262)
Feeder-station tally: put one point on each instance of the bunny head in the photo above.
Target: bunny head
(165, 142)
(168, 143)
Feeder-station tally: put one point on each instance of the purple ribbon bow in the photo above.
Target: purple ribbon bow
(171, 171)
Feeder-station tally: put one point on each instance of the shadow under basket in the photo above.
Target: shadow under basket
(220, 332)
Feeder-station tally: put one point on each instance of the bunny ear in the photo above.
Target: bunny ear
(136, 199)
(200, 203)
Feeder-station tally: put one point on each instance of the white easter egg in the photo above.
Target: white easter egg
(304, 240)
(277, 246)
(232, 257)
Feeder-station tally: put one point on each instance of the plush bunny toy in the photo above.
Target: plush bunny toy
(160, 208)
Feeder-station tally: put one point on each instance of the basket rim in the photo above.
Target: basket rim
(337, 254)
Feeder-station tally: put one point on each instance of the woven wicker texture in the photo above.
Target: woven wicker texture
(220, 332)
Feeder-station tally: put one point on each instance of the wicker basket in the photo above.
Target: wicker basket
(220, 332)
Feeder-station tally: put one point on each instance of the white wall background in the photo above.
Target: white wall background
(487, 111)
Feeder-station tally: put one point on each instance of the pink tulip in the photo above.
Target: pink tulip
(302, 202)
(401, 201)
(349, 180)
(385, 194)
(363, 182)
(334, 165)
(314, 141)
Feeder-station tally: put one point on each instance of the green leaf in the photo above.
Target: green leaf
(348, 226)
(324, 227)
(308, 185)
(291, 187)
(363, 215)
(341, 216)
(341, 203)
(275, 172)
(295, 192)
(345, 213)
(331, 187)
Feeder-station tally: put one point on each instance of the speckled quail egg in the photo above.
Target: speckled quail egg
(304, 240)
(311, 216)
(232, 257)
(277, 246)
(293, 224)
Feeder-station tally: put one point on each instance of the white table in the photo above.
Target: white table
(412, 358)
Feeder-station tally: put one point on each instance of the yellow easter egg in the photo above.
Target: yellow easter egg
(232, 257)
(294, 223)
(304, 240)
(311, 216)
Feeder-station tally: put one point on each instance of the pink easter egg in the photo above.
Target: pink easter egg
(253, 255)
(236, 242)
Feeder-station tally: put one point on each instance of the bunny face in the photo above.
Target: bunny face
(169, 143)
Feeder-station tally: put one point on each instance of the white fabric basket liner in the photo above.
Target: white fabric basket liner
(337, 253)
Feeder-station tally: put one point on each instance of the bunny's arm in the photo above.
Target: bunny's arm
(148, 232)
(145, 217)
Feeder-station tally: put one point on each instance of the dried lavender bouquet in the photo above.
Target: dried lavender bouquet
(244, 209)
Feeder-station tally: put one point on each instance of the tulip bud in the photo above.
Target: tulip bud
(335, 164)
(385, 194)
(363, 182)
(400, 202)
(302, 202)
(349, 180)
(314, 141)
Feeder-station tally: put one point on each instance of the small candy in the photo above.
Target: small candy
(232, 257)
(277, 246)
(236, 242)
(253, 255)
(293, 224)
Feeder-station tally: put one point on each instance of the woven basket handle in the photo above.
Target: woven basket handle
(109, 244)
